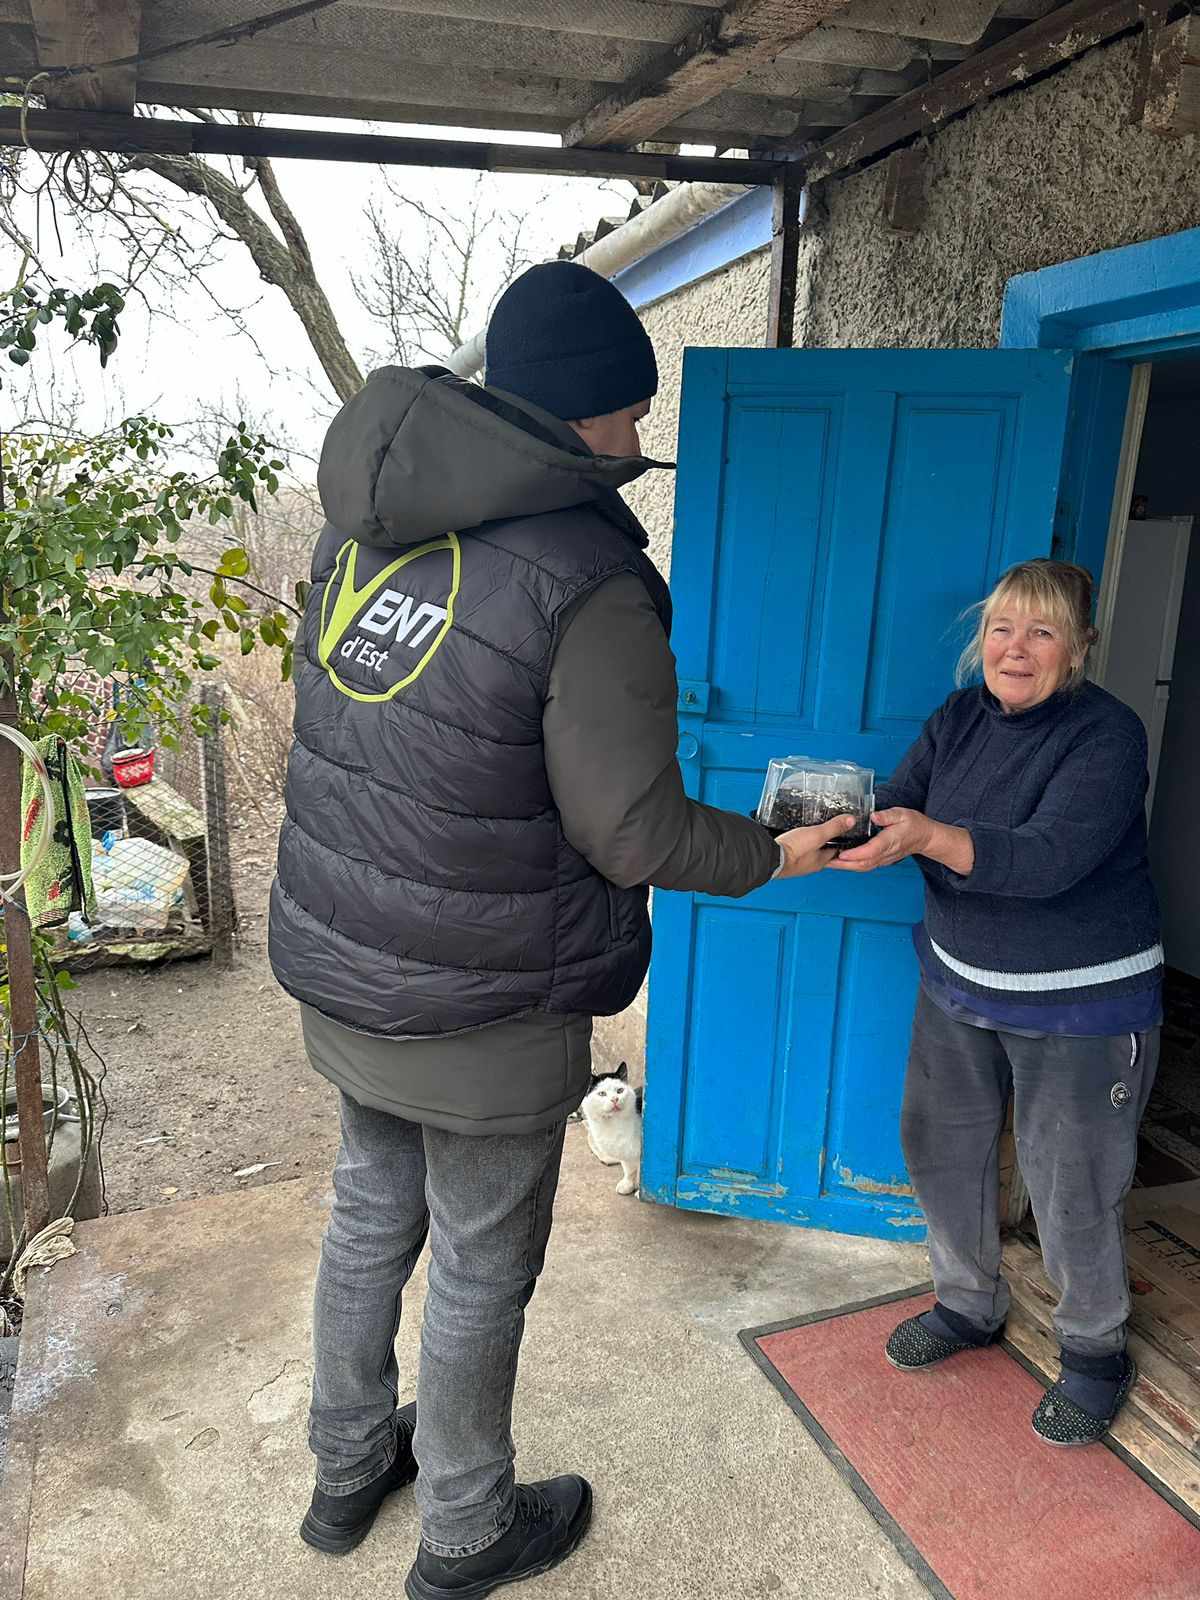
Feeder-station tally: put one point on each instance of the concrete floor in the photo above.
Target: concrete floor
(158, 1441)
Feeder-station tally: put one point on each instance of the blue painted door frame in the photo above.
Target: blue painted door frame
(1114, 309)
(836, 512)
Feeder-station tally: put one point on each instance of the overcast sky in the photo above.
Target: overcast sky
(171, 368)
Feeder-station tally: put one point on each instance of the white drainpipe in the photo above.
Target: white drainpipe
(665, 220)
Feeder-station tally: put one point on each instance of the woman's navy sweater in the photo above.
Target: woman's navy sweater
(1056, 927)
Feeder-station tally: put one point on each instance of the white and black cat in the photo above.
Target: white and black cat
(613, 1114)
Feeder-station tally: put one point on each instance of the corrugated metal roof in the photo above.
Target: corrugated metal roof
(540, 65)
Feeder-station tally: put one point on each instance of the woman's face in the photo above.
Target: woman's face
(1025, 658)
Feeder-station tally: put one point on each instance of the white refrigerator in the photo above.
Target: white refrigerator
(1141, 645)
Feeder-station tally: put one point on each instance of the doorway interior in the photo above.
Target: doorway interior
(1150, 615)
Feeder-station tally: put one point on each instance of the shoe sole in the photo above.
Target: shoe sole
(1085, 1444)
(926, 1366)
(416, 1588)
(334, 1541)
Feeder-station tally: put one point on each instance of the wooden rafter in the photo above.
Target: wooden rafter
(711, 59)
(74, 33)
(1167, 99)
(1057, 38)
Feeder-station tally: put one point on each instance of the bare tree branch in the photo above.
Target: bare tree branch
(433, 274)
(285, 263)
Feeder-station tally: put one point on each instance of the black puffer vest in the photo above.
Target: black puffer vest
(424, 884)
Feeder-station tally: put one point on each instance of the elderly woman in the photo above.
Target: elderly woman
(1023, 802)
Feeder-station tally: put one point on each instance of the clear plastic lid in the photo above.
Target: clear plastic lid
(800, 792)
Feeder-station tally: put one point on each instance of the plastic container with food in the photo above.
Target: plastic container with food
(801, 792)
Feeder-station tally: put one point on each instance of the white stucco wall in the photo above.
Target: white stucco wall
(727, 309)
(1040, 176)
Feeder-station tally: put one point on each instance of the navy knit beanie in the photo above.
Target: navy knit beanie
(563, 337)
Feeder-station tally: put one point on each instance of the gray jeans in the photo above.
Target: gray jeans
(1077, 1105)
(486, 1205)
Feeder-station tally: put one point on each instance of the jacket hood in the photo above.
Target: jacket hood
(419, 452)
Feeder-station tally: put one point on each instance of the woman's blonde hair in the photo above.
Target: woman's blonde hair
(1059, 591)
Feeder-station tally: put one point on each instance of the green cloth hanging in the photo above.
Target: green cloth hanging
(62, 881)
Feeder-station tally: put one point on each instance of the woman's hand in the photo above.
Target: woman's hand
(911, 833)
(806, 850)
(902, 833)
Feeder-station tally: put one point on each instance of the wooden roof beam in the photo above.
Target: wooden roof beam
(1047, 44)
(709, 60)
(76, 33)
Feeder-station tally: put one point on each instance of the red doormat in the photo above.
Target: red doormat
(950, 1467)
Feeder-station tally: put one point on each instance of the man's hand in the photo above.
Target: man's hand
(910, 833)
(807, 850)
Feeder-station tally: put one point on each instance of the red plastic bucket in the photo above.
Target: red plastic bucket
(133, 767)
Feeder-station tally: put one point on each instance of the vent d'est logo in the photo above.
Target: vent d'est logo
(378, 638)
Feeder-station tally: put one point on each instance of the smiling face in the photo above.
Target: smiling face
(1026, 657)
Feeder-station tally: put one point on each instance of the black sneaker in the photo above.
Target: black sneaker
(1061, 1421)
(335, 1523)
(913, 1347)
(551, 1519)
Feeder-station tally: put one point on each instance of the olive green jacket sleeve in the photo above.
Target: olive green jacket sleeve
(610, 736)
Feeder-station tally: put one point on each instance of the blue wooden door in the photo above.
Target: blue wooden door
(836, 512)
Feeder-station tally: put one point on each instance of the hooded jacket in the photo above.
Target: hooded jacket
(567, 690)
(424, 883)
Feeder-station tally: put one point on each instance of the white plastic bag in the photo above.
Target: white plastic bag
(137, 883)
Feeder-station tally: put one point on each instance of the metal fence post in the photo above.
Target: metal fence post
(216, 826)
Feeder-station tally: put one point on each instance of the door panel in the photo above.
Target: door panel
(734, 1051)
(775, 455)
(836, 513)
(949, 473)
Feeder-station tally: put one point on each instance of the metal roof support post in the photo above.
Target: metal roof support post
(785, 257)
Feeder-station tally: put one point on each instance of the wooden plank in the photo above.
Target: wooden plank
(1167, 1393)
(75, 33)
(785, 259)
(1023, 1258)
(704, 63)
(185, 945)
(1167, 98)
(1133, 1431)
(904, 204)
(166, 809)
(1057, 38)
(221, 920)
(82, 130)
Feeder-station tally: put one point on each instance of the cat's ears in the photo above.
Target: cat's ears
(622, 1072)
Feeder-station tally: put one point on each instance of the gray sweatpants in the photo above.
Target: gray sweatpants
(1077, 1105)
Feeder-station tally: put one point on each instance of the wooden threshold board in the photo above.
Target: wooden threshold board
(1160, 1424)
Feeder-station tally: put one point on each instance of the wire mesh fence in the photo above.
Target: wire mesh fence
(157, 850)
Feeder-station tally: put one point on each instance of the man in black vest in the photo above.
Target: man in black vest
(482, 786)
